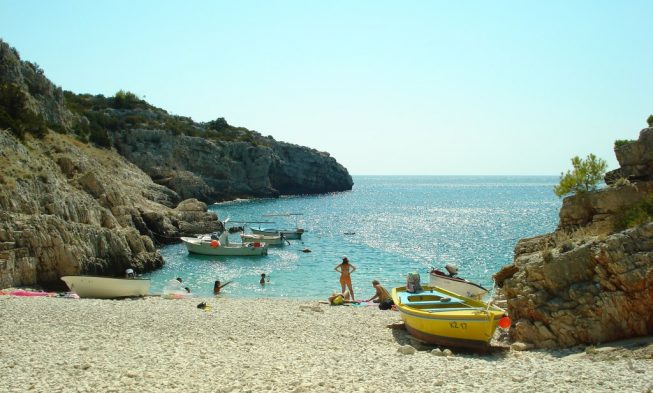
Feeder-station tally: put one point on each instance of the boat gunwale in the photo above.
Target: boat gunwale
(112, 278)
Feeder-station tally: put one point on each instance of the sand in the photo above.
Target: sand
(159, 345)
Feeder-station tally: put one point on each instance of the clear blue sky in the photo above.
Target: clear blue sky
(386, 87)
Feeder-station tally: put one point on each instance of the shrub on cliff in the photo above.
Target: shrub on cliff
(100, 137)
(127, 100)
(585, 176)
(218, 124)
(650, 121)
(16, 116)
(638, 214)
(622, 142)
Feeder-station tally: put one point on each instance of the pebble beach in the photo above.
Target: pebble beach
(252, 345)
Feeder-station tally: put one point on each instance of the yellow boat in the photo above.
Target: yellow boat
(440, 317)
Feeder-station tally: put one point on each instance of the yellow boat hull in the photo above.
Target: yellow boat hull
(457, 322)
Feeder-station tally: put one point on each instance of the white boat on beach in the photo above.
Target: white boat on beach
(106, 287)
(218, 244)
(272, 240)
(288, 233)
(460, 286)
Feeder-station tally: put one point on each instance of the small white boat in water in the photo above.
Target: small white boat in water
(272, 240)
(291, 234)
(460, 286)
(287, 233)
(218, 244)
(106, 287)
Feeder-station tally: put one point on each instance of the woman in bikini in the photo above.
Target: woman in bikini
(346, 269)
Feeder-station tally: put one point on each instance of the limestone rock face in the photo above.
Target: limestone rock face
(599, 208)
(218, 170)
(43, 96)
(591, 281)
(67, 208)
(635, 158)
(601, 290)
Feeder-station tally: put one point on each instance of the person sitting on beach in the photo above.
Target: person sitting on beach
(217, 286)
(338, 299)
(346, 269)
(381, 293)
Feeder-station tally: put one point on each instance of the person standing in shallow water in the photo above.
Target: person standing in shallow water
(217, 286)
(346, 269)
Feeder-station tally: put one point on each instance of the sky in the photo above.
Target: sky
(386, 87)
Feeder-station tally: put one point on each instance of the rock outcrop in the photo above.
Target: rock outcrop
(212, 171)
(43, 97)
(68, 208)
(635, 158)
(591, 281)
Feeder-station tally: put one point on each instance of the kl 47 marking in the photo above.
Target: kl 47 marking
(456, 325)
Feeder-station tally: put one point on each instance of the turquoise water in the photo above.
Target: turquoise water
(401, 224)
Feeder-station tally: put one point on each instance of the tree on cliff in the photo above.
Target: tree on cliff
(585, 176)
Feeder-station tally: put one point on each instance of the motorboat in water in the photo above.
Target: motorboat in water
(288, 233)
(107, 287)
(437, 316)
(448, 281)
(272, 240)
(218, 243)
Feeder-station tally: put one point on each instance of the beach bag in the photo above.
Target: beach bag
(413, 283)
(386, 304)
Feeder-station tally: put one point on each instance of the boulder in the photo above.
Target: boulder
(635, 158)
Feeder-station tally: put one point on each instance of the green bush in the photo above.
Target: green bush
(8, 122)
(638, 214)
(650, 121)
(585, 176)
(100, 137)
(127, 100)
(218, 124)
(15, 115)
(622, 142)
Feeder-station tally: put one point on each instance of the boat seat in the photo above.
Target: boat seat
(434, 303)
(438, 309)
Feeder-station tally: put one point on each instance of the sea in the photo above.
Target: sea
(387, 226)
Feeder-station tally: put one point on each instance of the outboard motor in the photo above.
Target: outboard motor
(413, 284)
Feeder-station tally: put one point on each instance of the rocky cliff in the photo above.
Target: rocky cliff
(71, 204)
(591, 281)
(69, 208)
(215, 170)
(211, 161)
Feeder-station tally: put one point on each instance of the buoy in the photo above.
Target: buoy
(504, 322)
(215, 243)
